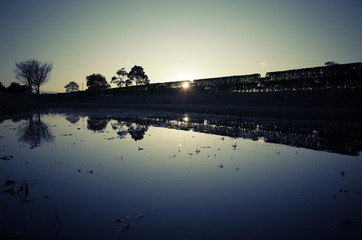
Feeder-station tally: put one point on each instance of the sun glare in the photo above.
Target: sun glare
(185, 85)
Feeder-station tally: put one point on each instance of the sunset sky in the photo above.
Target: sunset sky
(176, 40)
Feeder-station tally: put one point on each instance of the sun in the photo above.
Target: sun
(185, 85)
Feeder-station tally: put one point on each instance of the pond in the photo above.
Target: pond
(112, 174)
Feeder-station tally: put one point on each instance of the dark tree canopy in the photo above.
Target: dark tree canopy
(15, 87)
(121, 79)
(72, 87)
(138, 75)
(97, 82)
(33, 73)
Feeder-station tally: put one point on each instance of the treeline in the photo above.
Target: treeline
(15, 87)
(32, 74)
(98, 82)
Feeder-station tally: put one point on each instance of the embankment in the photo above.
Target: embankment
(332, 104)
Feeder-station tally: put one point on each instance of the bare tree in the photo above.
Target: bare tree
(33, 73)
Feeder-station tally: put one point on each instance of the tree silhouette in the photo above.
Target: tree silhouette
(72, 87)
(15, 87)
(97, 82)
(33, 73)
(35, 132)
(2, 87)
(138, 75)
(121, 79)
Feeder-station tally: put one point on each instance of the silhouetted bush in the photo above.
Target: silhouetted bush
(15, 87)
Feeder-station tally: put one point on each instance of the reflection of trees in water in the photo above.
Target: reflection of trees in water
(35, 132)
(72, 118)
(136, 130)
(327, 136)
(97, 124)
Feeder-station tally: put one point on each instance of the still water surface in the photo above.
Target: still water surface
(75, 175)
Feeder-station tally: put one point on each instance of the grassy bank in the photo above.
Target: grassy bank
(329, 105)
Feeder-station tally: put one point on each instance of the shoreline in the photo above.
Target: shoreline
(222, 104)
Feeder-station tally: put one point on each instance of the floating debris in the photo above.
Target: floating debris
(237, 168)
(221, 166)
(343, 190)
(119, 220)
(7, 157)
(140, 149)
(140, 216)
(342, 173)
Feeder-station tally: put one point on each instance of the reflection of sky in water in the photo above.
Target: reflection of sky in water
(174, 184)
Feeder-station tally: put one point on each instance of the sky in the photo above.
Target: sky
(176, 40)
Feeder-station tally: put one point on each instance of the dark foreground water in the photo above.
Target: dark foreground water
(119, 175)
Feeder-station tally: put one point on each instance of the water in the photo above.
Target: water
(128, 175)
